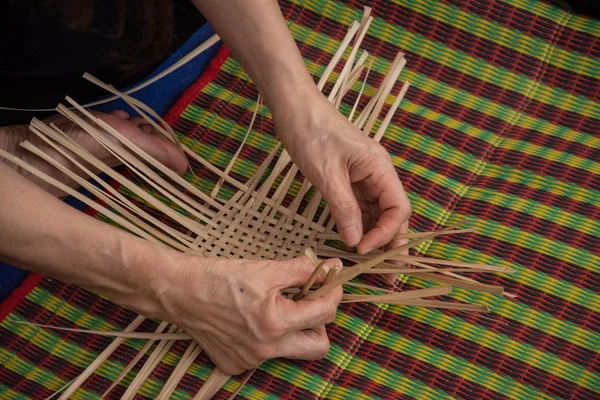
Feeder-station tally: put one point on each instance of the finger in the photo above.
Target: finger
(344, 210)
(308, 314)
(296, 272)
(156, 146)
(120, 114)
(309, 344)
(394, 209)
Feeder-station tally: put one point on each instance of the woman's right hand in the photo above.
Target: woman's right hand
(235, 309)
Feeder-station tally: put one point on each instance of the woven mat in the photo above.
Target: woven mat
(501, 125)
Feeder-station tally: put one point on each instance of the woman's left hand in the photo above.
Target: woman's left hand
(354, 173)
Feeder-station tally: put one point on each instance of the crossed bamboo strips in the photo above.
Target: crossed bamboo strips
(252, 223)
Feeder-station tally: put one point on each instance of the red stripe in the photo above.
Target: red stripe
(190, 93)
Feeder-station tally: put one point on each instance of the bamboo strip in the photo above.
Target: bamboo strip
(180, 245)
(411, 294)
(126, 334)
(227, 170)
(443, 305)
(61, 186)
(352, 29)
(366, 112)
(362, 88)
(388, 117)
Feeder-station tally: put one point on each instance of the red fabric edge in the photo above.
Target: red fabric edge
(190, 93)
(18, 294)
(33, 279)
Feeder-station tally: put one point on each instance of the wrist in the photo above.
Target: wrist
(299, 121)
(152, 279)
(11, 136)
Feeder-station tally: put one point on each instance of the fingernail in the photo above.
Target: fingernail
(351, 236)
(365, 250)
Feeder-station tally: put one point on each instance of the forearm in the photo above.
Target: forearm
(42, 234)
(10, 137)
(259, 38)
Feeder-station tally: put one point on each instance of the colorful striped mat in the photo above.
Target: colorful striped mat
(501, 125)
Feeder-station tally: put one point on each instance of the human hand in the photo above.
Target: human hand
(136, 129)
(235, 310)
(353, 172)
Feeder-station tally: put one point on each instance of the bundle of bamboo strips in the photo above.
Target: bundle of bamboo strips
(250, 224)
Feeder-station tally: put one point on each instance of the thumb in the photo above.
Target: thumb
(345, 211)
(297, 271)
(152, 143)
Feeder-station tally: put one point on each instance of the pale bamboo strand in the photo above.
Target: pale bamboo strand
(352, 29)
(227, 170)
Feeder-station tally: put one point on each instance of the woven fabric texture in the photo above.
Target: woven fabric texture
(501, 125)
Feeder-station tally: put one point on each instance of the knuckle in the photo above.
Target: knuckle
(261, 353)
(330, 312)
(330, 315)
(406, 211)
(344, 207)
(232, 368)
(322, 348)
(273, 327)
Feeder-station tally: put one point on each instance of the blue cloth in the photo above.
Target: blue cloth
(160, 96)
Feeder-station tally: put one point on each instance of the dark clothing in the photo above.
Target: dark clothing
(42, 61)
